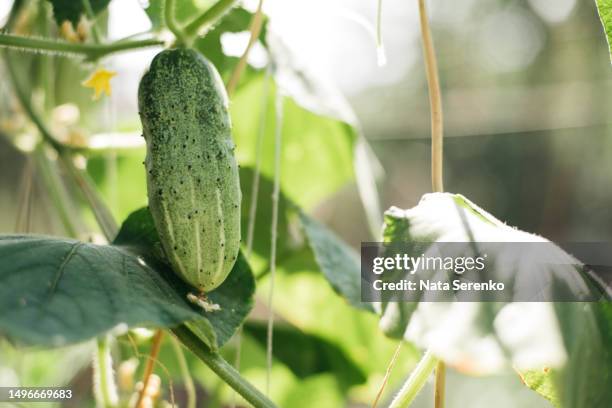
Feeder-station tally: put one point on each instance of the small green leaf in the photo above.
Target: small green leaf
(605, 13)
(339, 263)
(72, 10)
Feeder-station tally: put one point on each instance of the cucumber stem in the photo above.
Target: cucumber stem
(105, 389)
(255, 29)
(387, 374)
(437, 138)
(222, 368)
(439, 385)
(169, 16)
(89, 51)
(435, 99)
(206, 20)
(415, 382)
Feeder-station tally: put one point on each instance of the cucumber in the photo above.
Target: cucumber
(192, 175)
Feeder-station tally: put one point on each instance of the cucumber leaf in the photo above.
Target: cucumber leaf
(75, 291)
(485, 338)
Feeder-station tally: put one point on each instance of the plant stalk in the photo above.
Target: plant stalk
(255, 30)
(157, 339)
(207, 19)
(280, 99)
(89, 51)
(380, 46)
(439, 385)
(415, 382)
(435, 100)
(387, 374)
(169, 16)
(222, 368)
(437, 138)
(105, 389)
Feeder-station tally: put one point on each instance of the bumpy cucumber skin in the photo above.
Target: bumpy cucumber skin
(192, 175)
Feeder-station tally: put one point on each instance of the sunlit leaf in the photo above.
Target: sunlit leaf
(479, 337)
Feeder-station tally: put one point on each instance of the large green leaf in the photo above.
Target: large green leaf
(486, 337)
(56, 291)
(605, 13)
(75, 290)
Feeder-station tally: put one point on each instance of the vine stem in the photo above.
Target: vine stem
(275, 199)
(415, 382)
(255, 30)
(435, 99)
(207, 19)
(222, 368)
(105, 389)
(155, 346)
(90, 51)
(169, 16)
(387, 374)
(439, 385)
(437, 137)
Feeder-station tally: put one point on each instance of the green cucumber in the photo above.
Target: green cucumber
(192, 175)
